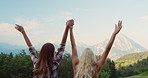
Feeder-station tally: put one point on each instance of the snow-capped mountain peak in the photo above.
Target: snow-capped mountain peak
(122, 45)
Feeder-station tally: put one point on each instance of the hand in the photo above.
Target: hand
(71, 27)
(70, 22)
(117, 27)
(19, 28)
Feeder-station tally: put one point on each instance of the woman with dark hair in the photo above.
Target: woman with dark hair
(87, 66)
(46, 65)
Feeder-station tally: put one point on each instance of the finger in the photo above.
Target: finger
(67, 21)
(118, 22)
(121, 24)
(16, 24)
(71, 27)
(71, 20)
(17, 27)
(115, 25)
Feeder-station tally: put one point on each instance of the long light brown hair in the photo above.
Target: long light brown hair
(45, 59)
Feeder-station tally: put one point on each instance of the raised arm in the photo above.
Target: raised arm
(31, 48)
(62, 45)
(64, 38)
(21, 29)
(75, 59)
(101, 62)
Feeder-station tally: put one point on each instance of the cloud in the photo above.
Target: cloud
(145, 17)
(34, 28)
(27, 23)
(7, 29)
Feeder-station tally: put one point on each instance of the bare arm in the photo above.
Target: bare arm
(73, 44)
(31, 49)
(61, 49)
(75, 59)
(21, 29)
(65, 35)
(101, 62)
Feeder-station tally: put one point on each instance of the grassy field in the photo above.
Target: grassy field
(142, 75)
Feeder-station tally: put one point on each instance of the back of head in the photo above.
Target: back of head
(86, 67)
(45, 59)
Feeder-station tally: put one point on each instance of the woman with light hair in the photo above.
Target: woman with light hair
(87, 66)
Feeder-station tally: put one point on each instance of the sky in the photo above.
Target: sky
(44, 21)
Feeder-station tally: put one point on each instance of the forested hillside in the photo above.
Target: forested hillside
(130, 59)
(132, 64)
(134, 69)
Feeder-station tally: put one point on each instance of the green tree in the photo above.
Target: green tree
(66, 69)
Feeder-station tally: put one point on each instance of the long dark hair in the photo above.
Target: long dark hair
(45, 59)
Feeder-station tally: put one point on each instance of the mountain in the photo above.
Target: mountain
(7, 48)
(122, 45)
(15, 49)
(80, 48)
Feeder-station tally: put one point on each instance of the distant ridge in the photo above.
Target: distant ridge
(7, 48)
(134, 56)
(122, 45)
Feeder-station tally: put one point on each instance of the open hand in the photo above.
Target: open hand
(118, 27)
(70, 22)
(19, 28)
